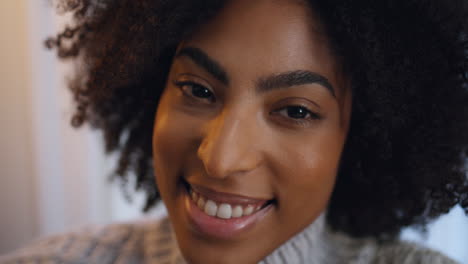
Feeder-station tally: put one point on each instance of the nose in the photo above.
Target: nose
(230, 145)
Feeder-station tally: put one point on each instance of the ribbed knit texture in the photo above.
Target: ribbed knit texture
(154, 243)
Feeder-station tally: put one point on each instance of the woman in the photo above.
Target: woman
(285, 131)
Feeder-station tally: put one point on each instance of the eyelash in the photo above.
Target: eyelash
(189, 94)
(310, 115)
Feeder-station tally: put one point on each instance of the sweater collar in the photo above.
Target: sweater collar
(318, 244)
(315, 244)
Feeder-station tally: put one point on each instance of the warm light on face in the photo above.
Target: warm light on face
(249, 132)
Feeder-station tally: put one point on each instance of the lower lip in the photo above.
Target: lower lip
(222, 228)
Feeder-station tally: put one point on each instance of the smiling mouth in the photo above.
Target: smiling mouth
(223, 215)
(225, 210)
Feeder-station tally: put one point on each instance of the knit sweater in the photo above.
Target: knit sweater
(153, 242)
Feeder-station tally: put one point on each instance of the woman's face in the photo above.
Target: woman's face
(252, 121)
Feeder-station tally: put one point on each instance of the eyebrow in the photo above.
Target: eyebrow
(264, 84)
(203, 60)
(293, 78)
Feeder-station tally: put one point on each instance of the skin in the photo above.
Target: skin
(236, 139)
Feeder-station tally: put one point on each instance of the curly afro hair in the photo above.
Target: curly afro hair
(407, 60)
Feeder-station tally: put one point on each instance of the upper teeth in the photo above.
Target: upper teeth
(222, 210)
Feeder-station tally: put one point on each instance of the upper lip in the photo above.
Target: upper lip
(223, 197)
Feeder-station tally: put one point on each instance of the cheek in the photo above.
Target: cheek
(168, 141)
(162, 139)
(306, 174)
(175, 138)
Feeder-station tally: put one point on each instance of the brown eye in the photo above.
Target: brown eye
(296, 115)
(297, 112)
(196, 91)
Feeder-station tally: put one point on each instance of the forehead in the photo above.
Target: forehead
(262, 37)
(258, 38)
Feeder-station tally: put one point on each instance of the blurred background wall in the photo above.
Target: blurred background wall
(55, 178)
(17, 211)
